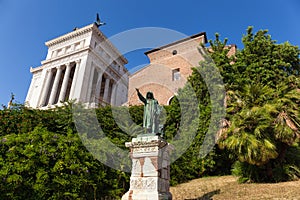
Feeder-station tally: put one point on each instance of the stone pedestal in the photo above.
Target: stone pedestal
(150, 175)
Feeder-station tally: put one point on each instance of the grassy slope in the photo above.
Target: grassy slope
(227, 188)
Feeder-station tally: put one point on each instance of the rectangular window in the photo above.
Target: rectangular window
(176, 74)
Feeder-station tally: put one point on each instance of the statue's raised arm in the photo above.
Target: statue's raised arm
(151, 112)
(141, 96)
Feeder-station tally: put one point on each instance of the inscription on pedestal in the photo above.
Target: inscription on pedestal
(144, 149)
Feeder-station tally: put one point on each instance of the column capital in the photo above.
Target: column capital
(78, 61)
(113, 93)
(59, 67)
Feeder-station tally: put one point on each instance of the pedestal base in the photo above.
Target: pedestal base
(150, 175)
(130, 195)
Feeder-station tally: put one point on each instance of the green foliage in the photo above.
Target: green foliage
(263, 108)
(202, 98)
(20, 119)
(46, 159)
(289, 170)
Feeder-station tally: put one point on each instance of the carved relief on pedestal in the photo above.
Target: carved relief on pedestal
(136, 167)
(143, 183)
(139, 183)
(150, 184)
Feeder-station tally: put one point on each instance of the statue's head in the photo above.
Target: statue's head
(149, 95)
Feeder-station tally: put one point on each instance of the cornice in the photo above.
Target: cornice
(70, 35)
(36, 69)
(99, 33)
(82, 31)
(202, 34)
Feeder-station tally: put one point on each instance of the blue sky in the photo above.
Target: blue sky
(27, 24)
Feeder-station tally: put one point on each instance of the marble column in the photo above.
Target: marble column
(73, 85)
(98, 87)
(105, 96)
(47, 87)
(55, 85)
(65, 82)
(89, 95)
(113, 94)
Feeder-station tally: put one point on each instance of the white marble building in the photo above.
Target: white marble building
(81, 65)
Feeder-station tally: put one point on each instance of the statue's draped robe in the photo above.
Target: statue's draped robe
(151, 113)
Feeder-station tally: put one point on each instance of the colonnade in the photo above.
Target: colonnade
(59, 85)
(103, 89)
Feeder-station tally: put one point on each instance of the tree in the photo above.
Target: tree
(205, 89)
(263, 108)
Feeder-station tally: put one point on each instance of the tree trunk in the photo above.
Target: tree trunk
(282, 152)
(269, 171)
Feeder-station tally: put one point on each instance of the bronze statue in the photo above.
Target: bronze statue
(152, 111)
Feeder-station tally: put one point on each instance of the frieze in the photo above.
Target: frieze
(69, 42)
(143, 183)
(65, 59)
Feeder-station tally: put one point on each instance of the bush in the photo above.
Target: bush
(42, 157)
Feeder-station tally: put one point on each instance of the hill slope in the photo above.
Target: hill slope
(227, 188)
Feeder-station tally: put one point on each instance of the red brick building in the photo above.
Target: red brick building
(169, 67)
